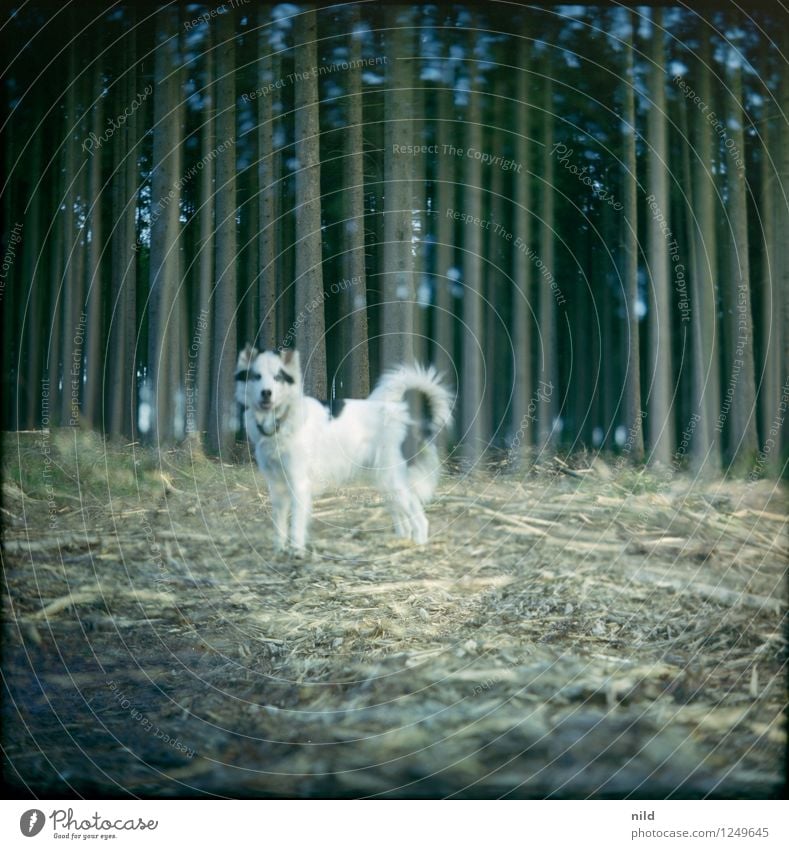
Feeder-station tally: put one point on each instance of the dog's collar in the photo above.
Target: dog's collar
(277, 422)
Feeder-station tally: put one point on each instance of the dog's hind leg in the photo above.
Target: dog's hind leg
(408, 516)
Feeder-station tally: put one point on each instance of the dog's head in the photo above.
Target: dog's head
(267, 383)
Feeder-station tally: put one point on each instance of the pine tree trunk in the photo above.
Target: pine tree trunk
(206, 257)
(660, 425)
(472, 340)
(706, 443)
(268, 192)
(94, 355)
(444, 324)
(522, 304)
(633, 412)
(738, 373)
(165, 199)
(398, 288)
(548, 369)
(309, 273)
(357, 370)
(221, 435)
(36, 275)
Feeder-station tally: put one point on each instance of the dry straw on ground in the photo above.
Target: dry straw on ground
(566, 633)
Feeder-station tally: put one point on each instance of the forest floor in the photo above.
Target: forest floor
(567, 632)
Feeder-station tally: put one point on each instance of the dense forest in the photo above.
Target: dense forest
(578, 213)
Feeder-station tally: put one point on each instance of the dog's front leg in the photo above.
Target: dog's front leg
(302, 511)
(280, 513)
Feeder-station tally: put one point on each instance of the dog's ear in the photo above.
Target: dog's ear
(291, 360)
(246, 356)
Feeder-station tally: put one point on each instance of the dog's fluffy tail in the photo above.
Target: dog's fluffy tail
(407, 384)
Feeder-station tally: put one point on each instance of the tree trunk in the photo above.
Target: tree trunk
(94, 355)
(221, 434)
(660, 425)
(522, 305)
(163, 331)
(740, 389)
(398, 290)
(268, 192)
(357, 368)
(548, 373)
(444, 323)
(122, 400)
(633, 412)
(706, 444)
(309, 272)
(472, 339)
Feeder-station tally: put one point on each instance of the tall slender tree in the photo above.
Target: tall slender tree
(660, 425)
(633, 416)
(268, 192)
(163, 335)
(355, 298)
(398, 291)
(225, 342)
(309, 274)
(739, 372)
(472, 343)
(548, 371)
(705, 445)
(522, 295)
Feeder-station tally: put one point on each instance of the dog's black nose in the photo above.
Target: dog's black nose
(265, 395)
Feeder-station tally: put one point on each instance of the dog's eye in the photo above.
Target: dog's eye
(283, 377)
(247, 374)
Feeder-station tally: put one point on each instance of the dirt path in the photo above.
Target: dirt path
(605, 634)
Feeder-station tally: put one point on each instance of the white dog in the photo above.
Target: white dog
(303, 451)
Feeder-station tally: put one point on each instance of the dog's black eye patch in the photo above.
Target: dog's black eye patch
(247, 374)
(283, 377)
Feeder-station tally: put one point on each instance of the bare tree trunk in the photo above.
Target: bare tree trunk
(398, 262)
(355, 295)
(221, 435)
(205, 323)
(633, 413)
(471, 375)
(309, 273)
(268, 192)
(706, 443)
(444, 323)
(165, 198)
(122, 400)
(549, 372)
(31, 241)
(522, 305)
(739, 372)
(94, 360)
(660, 424)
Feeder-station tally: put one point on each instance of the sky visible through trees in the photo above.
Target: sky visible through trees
(578, 212)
